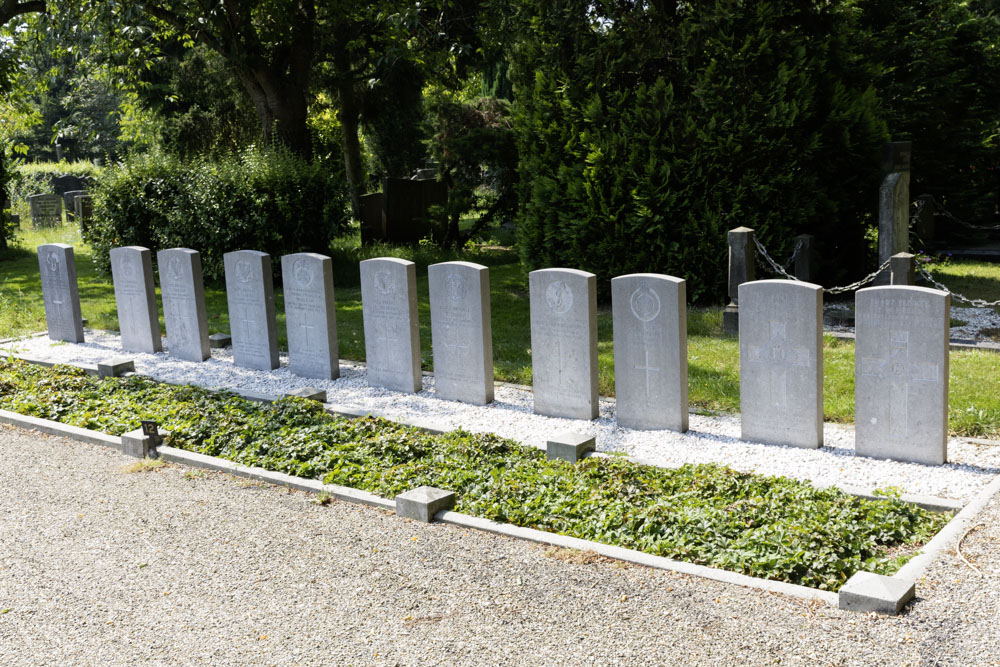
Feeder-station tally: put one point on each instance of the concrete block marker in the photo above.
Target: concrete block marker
(138, 444)
(114, 367)
(569, 446)
(423, 502)
(217, 341)
(866, 591)
(309, 392)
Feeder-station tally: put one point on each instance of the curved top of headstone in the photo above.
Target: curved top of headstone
(310, 255)
(780, 283)
(574, 273)
(132, 248)
(186, 251)
(649, 276)
(61, 246)
(456, 265)
(391, 260)
(255, 253)
(903, 289)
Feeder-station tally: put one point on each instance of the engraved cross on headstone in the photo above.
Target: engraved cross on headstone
(247, 322)
(306, 327)
(779, 356)
(647, 369)
(902, 372)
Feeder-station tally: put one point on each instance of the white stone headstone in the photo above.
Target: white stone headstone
(901, 373)
(183, 292)
(310, 315)
(461, 331)
(60, 292)
(564, 342)
(650, 330)
(250, 295)
(392, 337)
(138, 318)
(781, 363)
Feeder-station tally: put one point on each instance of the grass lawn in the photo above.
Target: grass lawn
(713, 360)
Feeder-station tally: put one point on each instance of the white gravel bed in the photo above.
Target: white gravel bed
(975, 320)
(710, 438)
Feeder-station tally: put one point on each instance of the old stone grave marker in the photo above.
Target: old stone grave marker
(461, 331)
(46, 210)
(564, 342)
(901, 373)
(781, 363)
(138, 320)
(60, 292)
(650, 331)
(389, 307)
(183, 291)
(250, 296)
(310, 315)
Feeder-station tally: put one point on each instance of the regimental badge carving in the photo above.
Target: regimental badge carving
(559, 297)
(645, 303)
(384, 282)
(244, 270)
(130, 267)
(174, 269)
(456, 287)
(52, 261)
(303, 273)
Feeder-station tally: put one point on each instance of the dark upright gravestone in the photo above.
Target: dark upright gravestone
(407, 206)
(46, 210)
(372, 219)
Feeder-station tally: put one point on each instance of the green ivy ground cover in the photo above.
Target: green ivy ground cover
(770, 527)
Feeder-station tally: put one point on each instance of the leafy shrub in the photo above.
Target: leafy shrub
(34, 178)
(647, 130)
(769, 527)
(260, 199)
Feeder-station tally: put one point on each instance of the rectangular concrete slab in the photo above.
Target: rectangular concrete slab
(115, 367)
(182, 289)
(564, 342)
(866, 591)
(461, 331)
(46, 210)
(569, 446)
(138, 318)
(423, 503)
(310, 315)
(901, 373)
(650, 331)
(60, 292)
(392, 339)
(250, 294)
(781, 363)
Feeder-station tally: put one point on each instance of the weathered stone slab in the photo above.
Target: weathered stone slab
(901, 373)
(781, 363)
(742, 269)
(60, 292)
(138, 319)
(182, 289)
(564, 342)
(461, 331)
(83, 210)
(69, 201)
(893, 219)
(115, 367)
(46, 210)
(392, 339)
(310, 315)
(250, 295)
(866, 591)
(569, 446)
(423, 502)
(650, 330)
(219, 340)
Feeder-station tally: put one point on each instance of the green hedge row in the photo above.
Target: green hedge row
(260, 199)
(770, 527)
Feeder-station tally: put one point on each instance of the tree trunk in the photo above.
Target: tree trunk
(281, 109)
(350, 119)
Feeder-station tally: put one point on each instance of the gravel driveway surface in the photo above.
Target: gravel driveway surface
(175, 566)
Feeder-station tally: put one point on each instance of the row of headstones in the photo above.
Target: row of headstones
(47, 209)
(901, 373)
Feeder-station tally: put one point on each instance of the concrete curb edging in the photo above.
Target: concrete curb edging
(57, 428)
(952, 531)
(637, 557)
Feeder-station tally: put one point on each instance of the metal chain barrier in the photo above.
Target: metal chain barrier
(782, 271)
(978, 303)
(948, 214)
(916, 214)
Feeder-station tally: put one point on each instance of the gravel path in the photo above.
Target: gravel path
(173, 566)
(711, 439)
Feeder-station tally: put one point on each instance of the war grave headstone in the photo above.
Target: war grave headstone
(310, 315)
(182, 289)
(564, 342)
(69, 202)
(389, 308)
(46, 210)
(250, 296)
(894, 204)
(461, 331)
(650, 331)
(138, 319)
(781, 363)
(60, 292)
(901, 373)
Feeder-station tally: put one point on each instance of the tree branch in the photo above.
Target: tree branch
(11, 8)
(178, 23)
